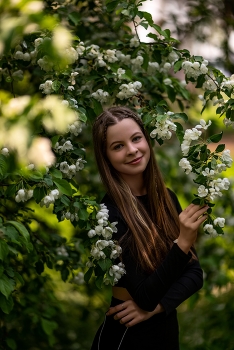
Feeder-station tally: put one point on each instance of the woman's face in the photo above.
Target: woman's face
(127, 148)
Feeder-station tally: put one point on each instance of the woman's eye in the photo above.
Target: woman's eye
(117, 147)
(137, 138)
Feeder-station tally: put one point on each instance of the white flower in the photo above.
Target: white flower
(192, 134)
(134, 42)
(185, 147)
(152, 67)
(79, 278)
(128, 90)
(91, 233)
(184, 164)
(30, 167)
(226, 158)
(67, 146)
(219, 222)
(23, 195)
(64, 167)
(167, 81)
(45, 63)
(203, 124)
(202, 191)
(62, 251)
(46, 87)
(38, 42)
(101, 95)
(5, 151)
(208, 172)
(71, 55)
(210, 229)
(110, 56)
(70, 88)
(107, 232)
(228, 122)
(80, 164)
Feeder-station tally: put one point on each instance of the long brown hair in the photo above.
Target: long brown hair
(152, 230)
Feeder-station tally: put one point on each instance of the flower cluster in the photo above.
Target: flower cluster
(192, 135)
(194, 69)
(163, 127)
(100, 95)
(66, 146)
(62, 251)
(70, 170)
(46, 87)
(206, 168)
(50, 198)
(128, 90)
(23, 195)
(103, 248)
(69, 216)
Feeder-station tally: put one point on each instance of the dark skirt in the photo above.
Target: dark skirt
(160, 332)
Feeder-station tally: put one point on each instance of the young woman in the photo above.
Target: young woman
(156, 236)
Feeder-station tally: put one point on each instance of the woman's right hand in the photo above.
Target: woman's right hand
(190, 220)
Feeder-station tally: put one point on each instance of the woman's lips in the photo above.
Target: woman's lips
(135, 161)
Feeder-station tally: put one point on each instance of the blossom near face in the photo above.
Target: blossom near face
(127, 148)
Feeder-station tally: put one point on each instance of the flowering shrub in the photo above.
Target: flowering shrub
(53, 85)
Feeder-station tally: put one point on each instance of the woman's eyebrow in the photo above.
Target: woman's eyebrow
(135, 133)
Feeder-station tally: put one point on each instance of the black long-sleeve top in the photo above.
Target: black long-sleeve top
(175, 280)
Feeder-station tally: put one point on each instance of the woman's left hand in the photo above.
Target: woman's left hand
(130, 314)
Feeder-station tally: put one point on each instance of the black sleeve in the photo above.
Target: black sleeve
(190, 281)
(188, 284)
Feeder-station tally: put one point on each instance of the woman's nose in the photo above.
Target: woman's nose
(132, 148)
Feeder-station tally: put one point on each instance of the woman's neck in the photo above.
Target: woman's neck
(136, 184)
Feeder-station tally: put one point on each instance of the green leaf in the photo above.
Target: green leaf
(39, 193)
(21, 229)
(6, 304)
(220, 148)
(88, 274)
(148, 17)
(112, 5)
(178, 65)
(66, 201)
(63, 186)
(56, 173)
(64, 274)
(197, 201)
(48, 180)
(82, 116)
(171, 93)
(1, 270)
(3, 165)
(179, 132)
(19, 278)
(99, 281)
(11, 343)
(215, 138)
(3, 250)
(56, 85)
(97, 106)
(158, 29)
(48, 326)
(105, 264)
(75, 17)
(152, 36)
(200, 80)
(180, 115)
(6, 285)
(83, 214)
